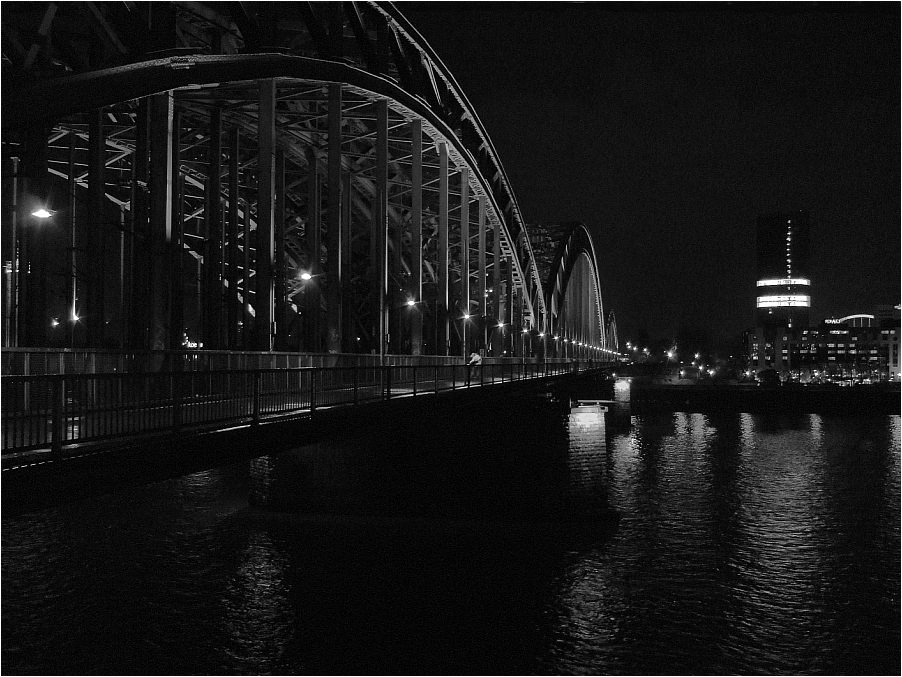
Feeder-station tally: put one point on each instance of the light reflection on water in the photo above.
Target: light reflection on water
(746, 544)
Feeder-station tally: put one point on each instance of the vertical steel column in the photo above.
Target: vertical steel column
(141, 263)
(464, 256)
(96, 240)
(176, 302)
(497, 332)
(71, 279)
(212, 334)
(232, 307)
(266, 133)
(247, 326)
(177, 325)
(313, 232)
(281, 282)
(334, 281)
(348, 344)
(441, 310)
(509, 310)
(10, 250)
(161, 137)
(380, 222)
(416, 237)
(481, 273)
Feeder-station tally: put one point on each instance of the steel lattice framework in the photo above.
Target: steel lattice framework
(290, 176)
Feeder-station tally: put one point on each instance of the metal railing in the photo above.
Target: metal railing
(27, 361)
(55, 411)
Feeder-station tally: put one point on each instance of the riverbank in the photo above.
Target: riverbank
(741, 398)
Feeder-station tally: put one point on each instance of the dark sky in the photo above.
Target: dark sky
(669, 128)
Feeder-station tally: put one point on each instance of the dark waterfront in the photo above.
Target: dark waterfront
(746, 544)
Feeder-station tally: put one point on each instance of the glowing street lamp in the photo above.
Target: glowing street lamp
(42, 213)
(305, 276)
(411, 303)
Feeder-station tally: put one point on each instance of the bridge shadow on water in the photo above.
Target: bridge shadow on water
(523, 458)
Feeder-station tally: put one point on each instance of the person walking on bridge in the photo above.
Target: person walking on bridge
(475, 361)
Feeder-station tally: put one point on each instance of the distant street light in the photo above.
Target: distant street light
(305, 276)
(42, 213)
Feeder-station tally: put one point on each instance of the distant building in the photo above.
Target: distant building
(782, 284)
(859, 348)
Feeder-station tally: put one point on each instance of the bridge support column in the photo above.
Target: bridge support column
(348, 332)
(312, 235)
(266, 132)
(464, 258)
(232, 307)
(496, 331)
(512, 330)
(441, 304)
(177, 324)
(161, 184)
(334, 229)
(213, 245)
(380, 228)
(415, 289)
(481, 273)
(96, 240)
(280, 340)
(139, 301)
(248, 320)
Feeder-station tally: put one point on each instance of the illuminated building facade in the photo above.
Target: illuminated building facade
(859, 348)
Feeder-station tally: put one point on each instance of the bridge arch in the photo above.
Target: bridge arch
(260, 176)
(573, 292)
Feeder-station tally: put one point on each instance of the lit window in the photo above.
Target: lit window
(784, 301)
(779, 282)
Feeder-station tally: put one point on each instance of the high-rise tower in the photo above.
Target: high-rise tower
(783, 284)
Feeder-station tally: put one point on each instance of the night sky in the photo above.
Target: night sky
(669, 128)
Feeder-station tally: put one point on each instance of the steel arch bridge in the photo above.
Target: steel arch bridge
(267, 176)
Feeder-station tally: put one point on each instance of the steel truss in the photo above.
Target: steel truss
(263, 176)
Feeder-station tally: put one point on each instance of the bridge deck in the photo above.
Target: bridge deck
(49, 417)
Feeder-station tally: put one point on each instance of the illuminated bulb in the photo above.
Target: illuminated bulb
(306, 276)
(411, 302)
(42, 213)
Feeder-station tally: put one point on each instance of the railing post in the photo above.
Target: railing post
(57, 420)
(414, 381)
(313, 373)
(453, 377)
(256, 396)
(356, 381)
(435, 378)
(176, 400)
(387, 382)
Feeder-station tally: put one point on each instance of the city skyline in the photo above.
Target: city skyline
(670, 130)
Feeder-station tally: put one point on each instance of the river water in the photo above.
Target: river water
(481, 543)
